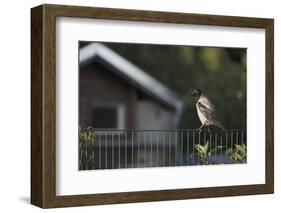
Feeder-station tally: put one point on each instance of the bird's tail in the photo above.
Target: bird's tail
(218, 124)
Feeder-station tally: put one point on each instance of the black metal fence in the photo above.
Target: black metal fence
(115, 149)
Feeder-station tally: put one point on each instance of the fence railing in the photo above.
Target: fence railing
(115, 149)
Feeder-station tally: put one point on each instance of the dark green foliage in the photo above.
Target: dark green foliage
(204, 151)
(238, 153)
(86, 148)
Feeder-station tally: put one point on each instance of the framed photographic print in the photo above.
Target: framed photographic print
(136, 106)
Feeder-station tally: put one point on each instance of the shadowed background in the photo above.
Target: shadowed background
(219, 72)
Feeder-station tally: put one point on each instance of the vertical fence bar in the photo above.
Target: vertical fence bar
(210, 138)
(138, 159)
(245, 142)
(204, 138)
(181, 149)
(221, 144)
(193, 147)
(170, 147)
(132, 144)
(237, 137)
(151, 138)
(226, 141)
(144, 140)
(105, 150)
(93, 155)
(237, 140)
(99, 151)
(81, 156)
(187, 147)
(231, 140)
(242, 142)
(164, 149)
(199, 142)
(176, 147)
(157, 149)
(89, 155)
(119, 163)
(112, 150)
(204, 143)
(216, 145)
(85, 154)
(126, 145)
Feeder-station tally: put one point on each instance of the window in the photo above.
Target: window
(108, 116)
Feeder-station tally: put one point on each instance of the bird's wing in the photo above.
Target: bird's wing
(208, 112)
(206, 102)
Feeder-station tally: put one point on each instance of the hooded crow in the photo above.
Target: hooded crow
(205, 110)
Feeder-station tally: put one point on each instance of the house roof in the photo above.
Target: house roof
(131, 73)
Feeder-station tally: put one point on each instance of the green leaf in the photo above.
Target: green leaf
(205, 148)
(199, 148)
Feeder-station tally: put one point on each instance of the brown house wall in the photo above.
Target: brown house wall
(98, 84)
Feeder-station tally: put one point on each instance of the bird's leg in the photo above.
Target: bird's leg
(201, 127)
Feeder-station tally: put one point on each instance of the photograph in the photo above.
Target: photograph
(140, 105)
(154, 105)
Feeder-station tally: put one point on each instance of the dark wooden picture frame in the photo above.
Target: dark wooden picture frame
(43, 105)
